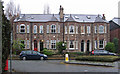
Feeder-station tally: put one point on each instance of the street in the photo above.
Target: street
(56, 66)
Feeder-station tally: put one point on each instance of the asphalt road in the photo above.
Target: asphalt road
(56, 66)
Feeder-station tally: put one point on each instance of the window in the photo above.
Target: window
(95, 29)
(29, 52)
(22, 28)
(58, 28)
(65, 29)
(41, 29)
(82, 29)
(53, 44)
(17, 29)
(35, 29)
(101, 29)
(76, 44)
(95, 42)
(35, 53)
(76, 29)
(23, 42)
(88, 29)
(47, 28)
(47, 44)
(71, 44)
(28, 44)
(71, 29)
(53, 28)
(101, 43)
(27, 28)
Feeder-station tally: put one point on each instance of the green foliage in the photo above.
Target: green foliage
(110, 47)
(98, 58)
(73, 54)
(60, 47)
(48, 52)
(5, 39)
(17, 46)
(115, 41)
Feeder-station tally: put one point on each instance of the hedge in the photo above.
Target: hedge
(98, 58)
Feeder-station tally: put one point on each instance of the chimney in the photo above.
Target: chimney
(61, 13)
(103, 17)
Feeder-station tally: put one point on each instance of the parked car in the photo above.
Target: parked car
(102, 52)
(30, 54)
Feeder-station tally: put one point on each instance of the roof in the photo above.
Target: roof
(116, 20)
(99, 19)
(70, 19)
(56, 17)
(53, 18)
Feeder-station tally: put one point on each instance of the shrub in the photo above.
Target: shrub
(115, 41)
(60, 47)
(110, 47)
(48, 52)
(98, 58)
(73, 54)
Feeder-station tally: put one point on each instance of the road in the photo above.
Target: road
(56, 66)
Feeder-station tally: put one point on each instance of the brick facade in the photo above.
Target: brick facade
(73, 36)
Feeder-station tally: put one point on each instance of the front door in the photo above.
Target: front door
(35, 45)
(41, 46)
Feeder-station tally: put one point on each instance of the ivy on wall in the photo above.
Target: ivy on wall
(5, 39)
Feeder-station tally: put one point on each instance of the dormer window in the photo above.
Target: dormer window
(22, 28)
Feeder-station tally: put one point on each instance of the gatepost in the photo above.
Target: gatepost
(0, 36)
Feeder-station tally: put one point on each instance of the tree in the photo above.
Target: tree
(110, 47)
(115, 41)
(46, 9)
(17, 46)
(5, 39)
(12, 11)
(60, 47)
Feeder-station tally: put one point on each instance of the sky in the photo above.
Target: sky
(107, 7)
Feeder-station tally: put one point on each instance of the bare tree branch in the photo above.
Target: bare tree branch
(46, 9)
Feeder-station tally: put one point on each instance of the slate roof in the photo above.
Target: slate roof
(99, 19)
(70, 19)
(116, 20)
(56, 17)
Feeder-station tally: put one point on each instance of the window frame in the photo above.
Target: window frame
(53, 28)
(48, 29)
(53, 44)
(101, 29)
(22, 28)
(83, 28)
(73, 44)
(35, 29)
(28, 29)
(71, 26)
(101, 44)
(41, 29)
(88, 30)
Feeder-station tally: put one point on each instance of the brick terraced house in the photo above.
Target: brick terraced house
(115, 30)
(81, 32)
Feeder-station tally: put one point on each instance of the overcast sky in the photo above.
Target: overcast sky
(107, 7)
